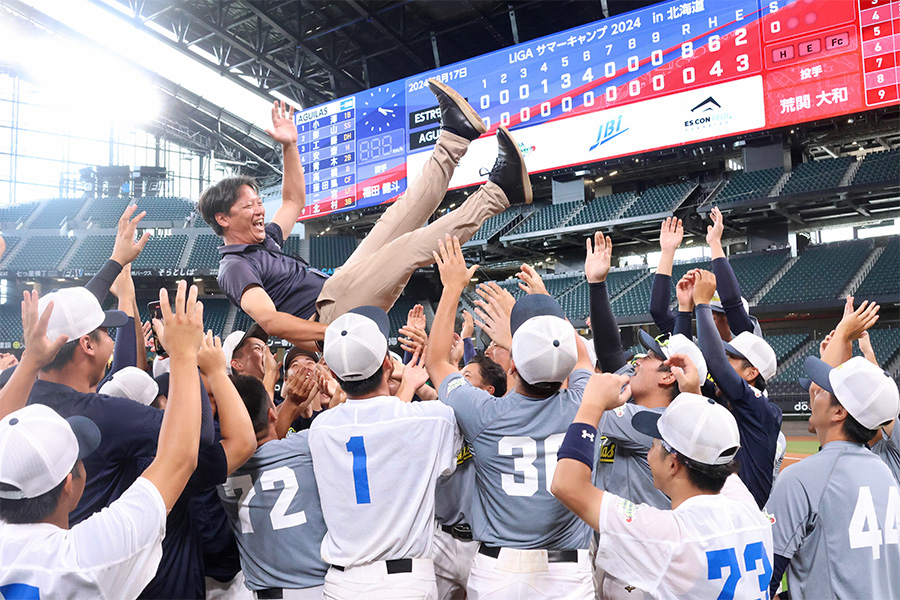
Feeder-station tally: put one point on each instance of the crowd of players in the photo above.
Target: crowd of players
(549, 466)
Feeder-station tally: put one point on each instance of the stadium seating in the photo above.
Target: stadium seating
(604, 208)
(398, 314)
(576, 302)
(753, 270)
(330, 251)
(56, 212)
(884, 278)
(821, 273)
(204, 254)
(659, 199)
(879, 167)
(161, 252)
(242, 321)
(492, 226)
(105, 212)
(785, 344)
(13, 214)
(215, 313)
(548, 216)
(11, 243)
(817, 175)
(886, 343)
(748, 185)
(10, 324)
(41, 253)
(636, 301)
(166, 209)
(93, 252)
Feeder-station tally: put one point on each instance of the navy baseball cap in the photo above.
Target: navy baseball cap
(378, 315)
(651, 343)
(533, 305)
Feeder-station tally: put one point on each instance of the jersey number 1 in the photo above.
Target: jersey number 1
(357, 448)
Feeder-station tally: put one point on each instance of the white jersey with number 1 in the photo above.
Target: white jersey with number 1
(376, 462)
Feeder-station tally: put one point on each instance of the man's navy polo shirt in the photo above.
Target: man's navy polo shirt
(292, 286)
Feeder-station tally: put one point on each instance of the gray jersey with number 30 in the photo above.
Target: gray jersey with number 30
(837, 518)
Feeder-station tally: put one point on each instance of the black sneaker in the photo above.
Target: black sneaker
(509, 170)
(456, 114)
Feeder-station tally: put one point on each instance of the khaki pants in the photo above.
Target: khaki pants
(382, 264)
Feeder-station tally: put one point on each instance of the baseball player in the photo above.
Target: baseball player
(273, 506)
(740, 369)
(294, 302)
(530, 545)
(621, 463)
(454, 546)
(713, 543)
(114, 552)
(836, 512)
(376, 460)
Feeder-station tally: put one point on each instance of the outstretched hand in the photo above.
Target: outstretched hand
(452, 265)
(529, 280)
(126, 249)
(671, 232)
(211, 357)
(714, 231)
(283, 129)
(684, 292)
(39, 350)
(606, 391)
(704, 286)
(181, 331)
(598, 258)
(468, 327)
(853, 325)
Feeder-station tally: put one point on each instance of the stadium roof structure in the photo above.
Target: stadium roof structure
(311, 51)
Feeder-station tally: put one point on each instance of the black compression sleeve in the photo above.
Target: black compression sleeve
(717, 363)
(660, 295)
(607, 342)
(730, 294)
(101, 282)
(778, 569)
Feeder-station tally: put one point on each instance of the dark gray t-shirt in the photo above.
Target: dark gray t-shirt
(291, 284)
(515, 439)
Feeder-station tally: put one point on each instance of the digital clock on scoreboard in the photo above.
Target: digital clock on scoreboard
(670, 74)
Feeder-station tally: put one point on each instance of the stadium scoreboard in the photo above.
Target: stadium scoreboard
(670, 74)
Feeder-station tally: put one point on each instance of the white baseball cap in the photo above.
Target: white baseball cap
(544, 349)
(38, 448)
(236, 339)
(77, 312)
(676, 344)
(356, 343)
(161, 366)
(867, 392)
(132, 383)
(695, 426)
(756, 350)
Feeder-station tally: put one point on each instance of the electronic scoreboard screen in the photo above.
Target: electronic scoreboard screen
(674, 73)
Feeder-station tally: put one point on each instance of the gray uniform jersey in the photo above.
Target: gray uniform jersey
(453, 493)
(514, 440)
(620, 459)
(273, 506)
(888, 448)
(837, 517)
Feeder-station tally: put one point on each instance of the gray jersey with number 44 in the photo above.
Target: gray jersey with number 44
(837, 518)
(514, 440)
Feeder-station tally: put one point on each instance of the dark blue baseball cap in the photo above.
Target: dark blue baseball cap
(533, 305)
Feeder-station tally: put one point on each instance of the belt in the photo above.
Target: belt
(460, 531)
(400, 565)
(554, 556)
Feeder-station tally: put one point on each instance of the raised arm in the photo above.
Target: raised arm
(238, 438)
(671, 232)
(729, 288)
(709, 341)
(607, 341)
(454, 277)
(257, 303)
(293, 186)
(125, 250)
(179, 434)
(572, 480)
(850, 328)
(39, 352)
